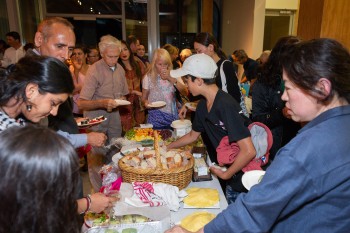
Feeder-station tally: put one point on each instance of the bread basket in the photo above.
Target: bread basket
(180, 176)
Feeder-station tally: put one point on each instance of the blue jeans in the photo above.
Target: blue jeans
(231, 195)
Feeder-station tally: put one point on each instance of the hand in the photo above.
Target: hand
(178, 229)
(165, 74)
(110, 104)
(80, 119)
(96, 139)
(220, 173)
(182, 112)
(139, 93)
(100, 202)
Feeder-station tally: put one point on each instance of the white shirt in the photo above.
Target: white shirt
(12, 55)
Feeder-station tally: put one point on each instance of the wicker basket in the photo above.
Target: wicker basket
(180, 177)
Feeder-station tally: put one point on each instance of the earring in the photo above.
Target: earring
(29, 107)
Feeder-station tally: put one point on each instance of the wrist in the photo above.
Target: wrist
(88, 204)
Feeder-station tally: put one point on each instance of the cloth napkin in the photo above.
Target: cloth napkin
(156, 194)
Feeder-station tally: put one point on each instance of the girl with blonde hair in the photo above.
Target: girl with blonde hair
(157, 85)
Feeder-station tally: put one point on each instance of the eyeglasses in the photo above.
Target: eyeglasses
(93, 56)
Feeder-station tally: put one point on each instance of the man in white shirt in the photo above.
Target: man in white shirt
(13, 53)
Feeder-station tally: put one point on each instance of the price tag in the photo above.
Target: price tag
(197, 155)
(202, 171)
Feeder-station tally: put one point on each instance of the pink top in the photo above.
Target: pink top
(161, 90)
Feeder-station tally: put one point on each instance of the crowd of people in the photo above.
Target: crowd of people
(299, 90)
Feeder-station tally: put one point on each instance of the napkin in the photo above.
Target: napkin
(156, 194)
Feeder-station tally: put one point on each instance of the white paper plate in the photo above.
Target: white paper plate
(251, 178)
(146, 126)
(157, 104)
(122, 102)
(191, 106)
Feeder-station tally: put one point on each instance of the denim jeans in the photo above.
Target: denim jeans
(231, 195)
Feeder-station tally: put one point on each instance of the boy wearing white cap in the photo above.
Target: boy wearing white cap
(217, 114)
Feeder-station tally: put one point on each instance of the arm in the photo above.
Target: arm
(145, 94)
(246, 154)
(79, 140)
(184, 140)
(88, 105)
(182, 112)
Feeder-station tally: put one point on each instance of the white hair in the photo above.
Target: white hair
(108, 41)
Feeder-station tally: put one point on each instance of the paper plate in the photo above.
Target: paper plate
(157, 104)
(91, 122)
(251, 178)
(122, 102)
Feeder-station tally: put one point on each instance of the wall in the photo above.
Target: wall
(238, 26)
(325, 18)
(282, 4)
(336, 27)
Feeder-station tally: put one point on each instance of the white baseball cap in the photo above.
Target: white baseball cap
(198, 65)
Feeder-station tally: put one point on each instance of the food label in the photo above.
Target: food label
(202, 171)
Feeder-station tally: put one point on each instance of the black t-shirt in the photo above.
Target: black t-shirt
(251, 69)
(222, 120)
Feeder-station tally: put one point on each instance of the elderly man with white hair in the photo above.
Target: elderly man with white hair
(105, 81)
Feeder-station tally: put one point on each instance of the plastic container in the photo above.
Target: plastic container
(181, 127)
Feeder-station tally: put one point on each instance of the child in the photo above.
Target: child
(217, 115)
(157, 85)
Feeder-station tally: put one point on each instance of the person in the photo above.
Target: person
(134, 114)
(206, 43)
(104, 83)
(141, 55)
(78, 69)
(306, 186)
(55, 38)
(217, 115)
(250, 66)
(264, 56)
(266, 97)
(33, 89)
(158, 85)
(174, 54)
(3, 47)
(93, 56)
(39, 181)
(185, 53)
(226, 78)
(133, 43)
(14, 52)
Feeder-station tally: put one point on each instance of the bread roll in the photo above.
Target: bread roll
(178, 159)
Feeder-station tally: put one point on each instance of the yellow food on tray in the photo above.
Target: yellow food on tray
(196, 220)
(201, 197)
(140, 134)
